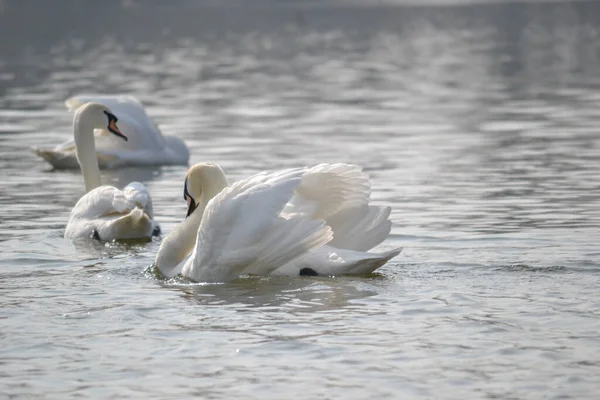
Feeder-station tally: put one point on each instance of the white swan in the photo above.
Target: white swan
(302, 221)
(146, 144)
(105, 212)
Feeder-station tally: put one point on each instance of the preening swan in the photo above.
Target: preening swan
(145, 145)
(105, 212)
(300, 221)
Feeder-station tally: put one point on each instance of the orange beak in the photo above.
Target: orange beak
(112, 127)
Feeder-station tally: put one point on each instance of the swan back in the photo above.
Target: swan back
(146, 144)
(133, 120)
(113, 214)
(178, 151)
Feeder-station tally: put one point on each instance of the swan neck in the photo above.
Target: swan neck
(179, 244)
(85, 149)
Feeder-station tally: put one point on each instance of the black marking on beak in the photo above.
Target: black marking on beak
(191, 207)
(191, 202)
(112, 126)
(185, 191)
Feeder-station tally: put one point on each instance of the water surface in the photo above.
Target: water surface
(478, 124)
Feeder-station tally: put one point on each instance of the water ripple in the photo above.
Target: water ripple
(478, 125)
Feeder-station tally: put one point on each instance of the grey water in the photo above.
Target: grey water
(478, 124)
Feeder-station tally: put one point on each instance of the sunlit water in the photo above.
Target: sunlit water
(479, 125)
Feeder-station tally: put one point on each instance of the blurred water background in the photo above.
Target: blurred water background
(478, 124)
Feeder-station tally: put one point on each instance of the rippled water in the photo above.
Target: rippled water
(478, 124)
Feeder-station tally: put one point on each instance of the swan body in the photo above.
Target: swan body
(105, 212)
(146, 145)
(299, 221)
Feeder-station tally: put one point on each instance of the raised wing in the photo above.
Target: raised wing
(329, 188)
(340, 194)
(243, 231)
(360, 228)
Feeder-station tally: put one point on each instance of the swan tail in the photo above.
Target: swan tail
(360, 228)
(374, 262)
(58, 159)
(135, 225)
(138, 194)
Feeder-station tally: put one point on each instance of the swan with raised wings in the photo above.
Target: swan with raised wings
(105, 212)
(299, 221)
(146, 144)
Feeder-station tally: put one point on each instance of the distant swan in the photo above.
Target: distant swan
(300, 221)
(105, 212)
(146, 144)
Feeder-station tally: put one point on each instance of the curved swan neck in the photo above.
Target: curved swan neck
(181, 241)
(85, 149)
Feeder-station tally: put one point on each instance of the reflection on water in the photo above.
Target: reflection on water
(478, 124)
(274, 293)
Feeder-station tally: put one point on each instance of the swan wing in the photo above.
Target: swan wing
(328, 188)
(141, 130)
(119, 104)
(340, 194)
(145, 145)
(113, 214)
(360, 228)
(133, 120)
(108, 200)
(243, 229)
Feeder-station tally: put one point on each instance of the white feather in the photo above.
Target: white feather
(113, 214)
(330, 261)
(146, 144)
(281, 223)
(360, 228)
(243, 231)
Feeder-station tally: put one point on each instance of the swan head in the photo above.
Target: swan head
(203, 180)
(98, 116)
